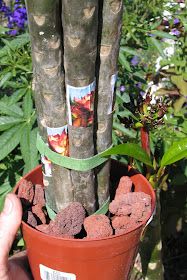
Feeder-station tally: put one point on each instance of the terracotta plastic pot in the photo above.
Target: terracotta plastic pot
(108, 258)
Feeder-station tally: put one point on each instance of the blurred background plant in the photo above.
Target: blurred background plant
(150, 110)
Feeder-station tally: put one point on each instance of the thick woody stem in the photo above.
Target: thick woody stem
(46, 41)
(80, 24)
(109, 40)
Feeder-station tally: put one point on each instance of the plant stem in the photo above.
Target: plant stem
(80, 27)
(48, 83)
(110, 22)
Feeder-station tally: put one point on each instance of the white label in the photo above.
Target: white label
(47, 273)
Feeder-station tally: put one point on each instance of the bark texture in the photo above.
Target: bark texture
(46, 41)
(80, 27)
(109, 40)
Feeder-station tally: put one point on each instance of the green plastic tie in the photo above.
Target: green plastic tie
(69, 162)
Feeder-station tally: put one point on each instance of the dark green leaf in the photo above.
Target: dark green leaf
(10, 110)
(28, 148)
(5, 78)
(163, 34)
(50, 212)
(127, 132)
(131, 150)
(9, 140)
(7, 122)
(157, 45)
(27, 105)
(104, 208)
(18, 42)
(176, 152)
(16, 96)
(4, 190)
(129, 51)
(123, 61)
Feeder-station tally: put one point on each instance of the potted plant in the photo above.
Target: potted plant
(75, 47)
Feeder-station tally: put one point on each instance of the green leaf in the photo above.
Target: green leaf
(176, 152)
(50, 212)
(11, 110)
(163, 34)
(131, 150)
(28, 148)
(157, 45)
(129, 51)
(127, 132)
(104, 208)
(27, 105)
(7, 122)
(124, 62)
(5, 78)
(16, 96)
(21, 243)
(17, 42)
(9, 140)
(4, 190)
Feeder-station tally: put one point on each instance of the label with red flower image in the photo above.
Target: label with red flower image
(112, 84)
(46, 166)
(58, 140)
(80, 103)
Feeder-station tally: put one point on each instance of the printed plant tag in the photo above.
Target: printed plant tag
(112, 83)
(47, 273)
(46, 166)
(80, 103)
(58, 140)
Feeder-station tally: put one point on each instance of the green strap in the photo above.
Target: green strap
(68, 162)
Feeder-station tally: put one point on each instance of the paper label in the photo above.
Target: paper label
(47, 273)
(80, 103)
(46, 166)
(112, 84)
(58, 140)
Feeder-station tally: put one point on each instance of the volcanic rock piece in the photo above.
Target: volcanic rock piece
(39, 195)
(31, 220)
(117, 206)
(37, 210)
(26, 192)
(98, 226)
(48, 230)
(68, 221)
(122, 224)
(125, 186)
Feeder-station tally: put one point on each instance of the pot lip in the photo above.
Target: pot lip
(43, 235)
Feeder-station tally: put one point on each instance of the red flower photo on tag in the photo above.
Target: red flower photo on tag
(58, 140)
(80, 103)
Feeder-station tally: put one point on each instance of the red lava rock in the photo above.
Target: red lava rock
(49, 230)
(120, 222)
(26, 192)
(31, 220)
(123, 224)
(37, 210)
(119, 209)
(116, 206)
(125, 186)
(39, 195)
(97, 226)
(69, 221)
(125, 230)
(138, 209)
